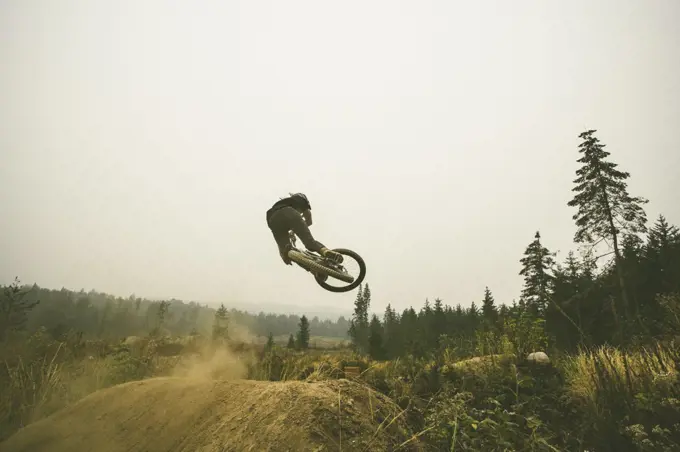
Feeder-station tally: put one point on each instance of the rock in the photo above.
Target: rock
(538, 358)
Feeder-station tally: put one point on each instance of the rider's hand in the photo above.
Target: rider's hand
(285, 258)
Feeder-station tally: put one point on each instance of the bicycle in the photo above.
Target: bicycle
(323, 268)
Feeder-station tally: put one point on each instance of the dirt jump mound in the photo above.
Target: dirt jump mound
(181, 414)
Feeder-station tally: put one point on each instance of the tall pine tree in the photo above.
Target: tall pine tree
(489, 312)
(605, 209)
(536, 265)
(358, 330)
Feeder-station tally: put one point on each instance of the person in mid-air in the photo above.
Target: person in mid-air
(294, 215)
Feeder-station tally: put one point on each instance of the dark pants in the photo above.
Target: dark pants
(286, 219)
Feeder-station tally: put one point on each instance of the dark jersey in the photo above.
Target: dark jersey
(296, 202)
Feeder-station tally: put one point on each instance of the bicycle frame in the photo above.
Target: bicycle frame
(321, 276)
(315, 257)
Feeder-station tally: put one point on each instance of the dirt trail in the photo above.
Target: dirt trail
(185, 414)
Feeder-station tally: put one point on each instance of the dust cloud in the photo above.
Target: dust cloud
(213, 363)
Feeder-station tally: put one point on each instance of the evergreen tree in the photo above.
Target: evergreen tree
(631, 246)
(657, 272)
(662, 256)
(375, 339)
(438, 322)
(503, 314)
(411, 334)
(662, 237)
(291, 342)
(426, 311)
(456, 322)
(358, 330)
(472, 319)
(426, 325)
(391, 338)
(571, 286)
(489, 312)
(605, 209)
(536, 263)
(270, 342)
(161, 314)
(221, 324)
(367, 296)
(302, 340)
(14, 308)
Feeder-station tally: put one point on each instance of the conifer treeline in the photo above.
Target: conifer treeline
(562, 305)
(632, 298)
(100, 315)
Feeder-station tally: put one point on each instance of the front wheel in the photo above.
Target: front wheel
(320, 280)
(323, 269)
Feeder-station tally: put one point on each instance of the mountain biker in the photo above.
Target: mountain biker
(293, 215)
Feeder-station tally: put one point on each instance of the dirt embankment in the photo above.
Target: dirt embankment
(195, 414)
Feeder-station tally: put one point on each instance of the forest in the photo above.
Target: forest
(608, 316)
(102, 316)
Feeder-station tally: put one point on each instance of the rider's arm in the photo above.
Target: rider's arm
(307, 214)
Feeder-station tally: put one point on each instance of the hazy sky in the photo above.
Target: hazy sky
(141, 142)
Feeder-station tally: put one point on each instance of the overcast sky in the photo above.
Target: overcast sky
(141, 142)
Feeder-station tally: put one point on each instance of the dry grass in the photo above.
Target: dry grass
(592, 373)
(28, 388)
(36, 380)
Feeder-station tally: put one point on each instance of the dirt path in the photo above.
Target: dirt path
(182, 414)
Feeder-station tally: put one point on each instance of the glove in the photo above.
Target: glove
(332, 255)
(284, 256)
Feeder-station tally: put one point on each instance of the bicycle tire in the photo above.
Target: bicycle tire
(358, 280)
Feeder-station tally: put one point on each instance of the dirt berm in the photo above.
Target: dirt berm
(179, 414)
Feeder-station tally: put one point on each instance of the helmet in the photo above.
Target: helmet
(300, 195)
(303, 197)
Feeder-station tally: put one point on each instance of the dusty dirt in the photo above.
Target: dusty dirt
(199, 414)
